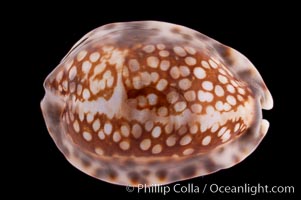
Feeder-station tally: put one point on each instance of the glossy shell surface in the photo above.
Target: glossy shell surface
(153, 103)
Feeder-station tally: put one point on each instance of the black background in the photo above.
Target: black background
(265, 34)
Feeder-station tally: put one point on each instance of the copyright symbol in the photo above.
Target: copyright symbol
(130, 188)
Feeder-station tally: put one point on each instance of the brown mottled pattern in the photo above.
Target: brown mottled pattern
(132, 99)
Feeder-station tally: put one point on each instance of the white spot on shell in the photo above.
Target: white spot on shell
(86, 94)
(234, 83)
(156, 132)
(180, 106)
(160, 46)
(125, 131)
(168, 128)
(164, 53)
(231, 100)
(185, 84)
(65, 85)
(76, 126)
(136, 131)
(240, 98)
(152, 99)
(101, 135)
(125, 71)
(99, 151)
(145, 144)
(96, 125)
(87, 136)
(81, 55)
(199, 72)
(108, 128)
(221, 131)
(79, 89)
(107, 74)
(190, 61)
(99, 68)
(60, 88)
(134, 65)
(94, 57)
(81, 115)
(207, 85)
(185, 140)
(219, 91)
(172, 97)
(149, 125)
(102, 84)
(205, 64)
(68, 64)
(124, 145)
(182, 130)
(72, 73)
(142, 101)
(137, 82)
(241, 91)
(203, 127)
(214, 128)
(193, 129)
(219, 106)
(230, 88)
(205, 96)
(157, 149)
(179, 51)
(171, 141)
(227, 107)
(146, 78)
(149, 48)
(190, 50)
(174, 72)
(110, 81)
(154, 76)
(184, 71)
(222, 71)
(90, 117)
(162, 111)
(206, 140)
(59, 76)
(222, 79)
(161, 85)
(116, 136)
(164, 65)
(152, 62)
(209, 110)
(236, 127)
(196, 108)
(188, 151)
(190, 95)
(226, 136)
(213, 64)
(72, 87)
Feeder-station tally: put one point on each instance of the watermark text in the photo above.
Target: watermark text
(211, 188)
